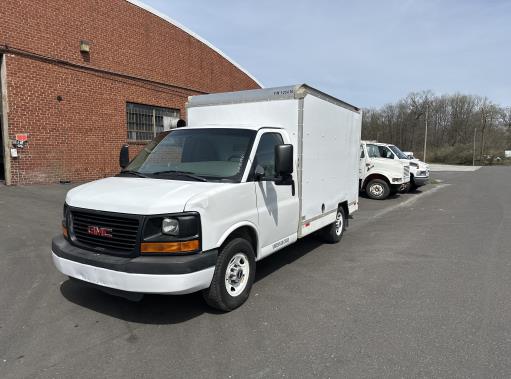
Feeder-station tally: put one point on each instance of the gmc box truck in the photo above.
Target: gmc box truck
(252, 173)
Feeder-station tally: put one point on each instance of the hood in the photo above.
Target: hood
(137, 195)
(421, 164)
(393, 162)
(390, 164)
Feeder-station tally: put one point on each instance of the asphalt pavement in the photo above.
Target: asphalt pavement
(418, 287)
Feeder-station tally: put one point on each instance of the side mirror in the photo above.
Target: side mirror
(284, 160)
(124, 156)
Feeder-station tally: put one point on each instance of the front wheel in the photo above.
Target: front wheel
(233, 277)
(413, 186)
(378, 189)
(333, 232)
(405, 188)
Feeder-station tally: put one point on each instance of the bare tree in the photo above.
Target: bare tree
(451, 121)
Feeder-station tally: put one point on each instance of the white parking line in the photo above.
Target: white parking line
(409, 201)
(360, 221)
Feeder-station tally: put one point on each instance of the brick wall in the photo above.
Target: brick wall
(78, 138)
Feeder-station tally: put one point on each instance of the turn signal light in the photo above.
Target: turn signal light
(64, 231)
(169, 247)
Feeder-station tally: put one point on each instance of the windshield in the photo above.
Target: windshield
(188, 154)
(398, 152)
(373, 151)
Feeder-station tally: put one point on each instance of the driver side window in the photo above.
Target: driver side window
(385, 152)
(265, 153)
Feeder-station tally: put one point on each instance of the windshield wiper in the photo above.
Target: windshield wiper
(131, 172)
(182, 173)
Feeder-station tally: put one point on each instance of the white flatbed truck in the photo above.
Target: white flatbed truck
(253, 172)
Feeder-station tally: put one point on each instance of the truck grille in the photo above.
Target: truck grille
(407, 171)
(105, 231)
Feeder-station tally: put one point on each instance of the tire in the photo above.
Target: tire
(225, 293)
(377, 189)
(334, 232)
(413, 187)
(405, 188)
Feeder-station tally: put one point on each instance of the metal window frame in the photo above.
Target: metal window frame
(145, 111)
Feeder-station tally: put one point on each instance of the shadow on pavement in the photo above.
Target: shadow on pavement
(162, 309)
(152, 309)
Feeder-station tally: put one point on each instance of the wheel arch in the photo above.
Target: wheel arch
(245, 230)
(376, 176)
(344, 205)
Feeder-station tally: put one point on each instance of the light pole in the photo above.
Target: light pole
(474, 149)
(426, 132)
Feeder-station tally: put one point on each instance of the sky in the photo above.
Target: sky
(368, 53)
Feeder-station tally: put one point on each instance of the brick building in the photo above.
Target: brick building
(82, 78)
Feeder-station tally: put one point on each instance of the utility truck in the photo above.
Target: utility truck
(379, 174)
(253, 172)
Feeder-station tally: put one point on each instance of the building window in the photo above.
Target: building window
(145, 121)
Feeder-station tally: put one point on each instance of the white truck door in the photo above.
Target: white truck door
(363, 164)
(276, 205)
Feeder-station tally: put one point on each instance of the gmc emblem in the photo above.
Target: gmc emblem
(99, 232)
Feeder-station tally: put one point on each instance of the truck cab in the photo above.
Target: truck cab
(380, 175)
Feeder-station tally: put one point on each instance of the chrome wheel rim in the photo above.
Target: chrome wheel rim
(376, 190)
(236, 274)
(339, 223)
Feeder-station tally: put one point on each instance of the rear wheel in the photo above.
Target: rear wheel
(233, 277)
(377, 189)
(333, 232)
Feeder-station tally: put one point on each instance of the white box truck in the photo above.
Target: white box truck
(253, 172)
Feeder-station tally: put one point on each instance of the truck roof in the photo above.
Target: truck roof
(377, 143)
(297, 91)
(232, 126)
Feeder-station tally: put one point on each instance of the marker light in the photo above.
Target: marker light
(169, 247)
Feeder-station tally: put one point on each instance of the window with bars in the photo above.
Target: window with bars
(146, 121)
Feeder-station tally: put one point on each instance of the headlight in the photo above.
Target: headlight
(174, 233)
(170, 226)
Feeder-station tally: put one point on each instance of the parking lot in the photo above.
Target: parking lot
(418, 287)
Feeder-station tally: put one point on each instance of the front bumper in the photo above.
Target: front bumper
(400, 181)
(420, 180)
(156, 274)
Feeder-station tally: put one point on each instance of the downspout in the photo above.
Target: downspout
(5, 121)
